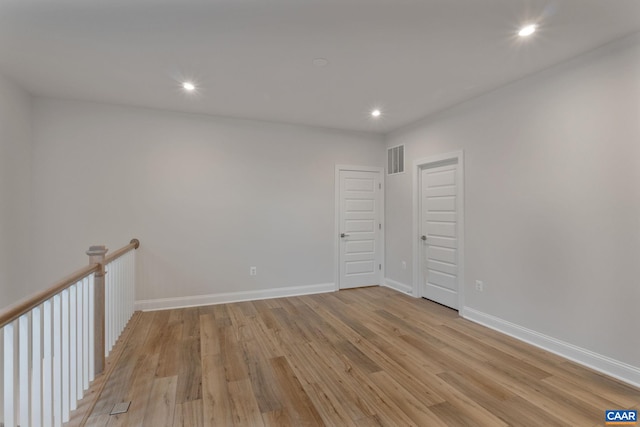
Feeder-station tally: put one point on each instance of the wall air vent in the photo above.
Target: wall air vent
(395, 160)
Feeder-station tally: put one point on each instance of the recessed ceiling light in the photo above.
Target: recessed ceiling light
(376, 113)
(188, 86)
(320, 62)
(527, 30)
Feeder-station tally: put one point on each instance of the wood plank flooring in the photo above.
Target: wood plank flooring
(364, 357)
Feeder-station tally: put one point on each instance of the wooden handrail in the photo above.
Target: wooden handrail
(11, 313)
(134, 244)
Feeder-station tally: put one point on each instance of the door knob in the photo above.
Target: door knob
(344, 235)
(423, 237)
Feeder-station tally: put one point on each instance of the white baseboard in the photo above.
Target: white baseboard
(200, 300)
(401, 287)
(614, 368)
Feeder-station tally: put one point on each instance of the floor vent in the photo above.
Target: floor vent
(120, 408)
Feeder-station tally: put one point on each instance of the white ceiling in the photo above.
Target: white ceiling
(254, 58)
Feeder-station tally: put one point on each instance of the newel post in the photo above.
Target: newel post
(96, 256)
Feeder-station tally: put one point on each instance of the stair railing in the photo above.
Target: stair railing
(54, 343)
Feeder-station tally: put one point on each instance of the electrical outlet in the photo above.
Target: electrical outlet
(479, 285)
(253, 271)
(404, 265)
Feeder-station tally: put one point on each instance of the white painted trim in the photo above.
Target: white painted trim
(336, 220)
(419, 164)
(359, 168)
(611, 367)
(200, 300)
(394, 146)
(398, 286)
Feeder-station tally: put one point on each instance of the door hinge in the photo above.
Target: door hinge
(379, 226)
(379, 266)
(379, 186)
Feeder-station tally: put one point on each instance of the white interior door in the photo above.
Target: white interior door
(360, 252)
(439, 206)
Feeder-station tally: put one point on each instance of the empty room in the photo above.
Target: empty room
(319, 213)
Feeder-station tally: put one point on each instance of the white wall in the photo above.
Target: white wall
(15, 188)
(552, 182)
(207, 197)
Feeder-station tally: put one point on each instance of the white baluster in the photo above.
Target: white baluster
(9, 415)
(107, 310)
(23, 363)
(47, 364)
(92, 329)
(116, 308)
(130, 285)
(85, 330)
(125, 286)
(127, 274)
(36, 368)
(65, 355)
(116, 305)
(113, 304)
(121, 299)
(1, 375)
(73, 347)
(132, 299)
(57, 361)
(112, 307)
(81, 325)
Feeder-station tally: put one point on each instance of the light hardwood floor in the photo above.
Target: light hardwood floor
(362, 357)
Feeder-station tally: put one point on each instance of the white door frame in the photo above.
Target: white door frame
(336, 234)
(418, 165)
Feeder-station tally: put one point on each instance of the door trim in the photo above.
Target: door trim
(336, 220)
(418, 165)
